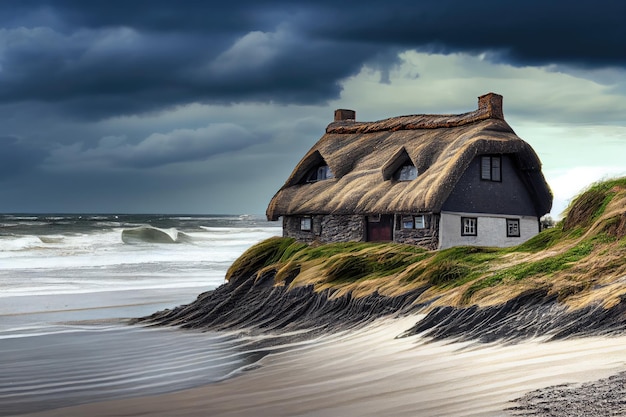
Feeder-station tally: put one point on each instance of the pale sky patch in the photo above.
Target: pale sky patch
(451, 83)
(567, 183)
(251, 52)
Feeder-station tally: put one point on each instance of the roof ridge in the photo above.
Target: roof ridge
(489, 107)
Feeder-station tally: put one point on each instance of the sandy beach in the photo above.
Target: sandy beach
(369, 372)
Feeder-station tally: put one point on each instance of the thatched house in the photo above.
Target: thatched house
(431, 180)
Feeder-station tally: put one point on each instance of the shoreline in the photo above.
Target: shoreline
(257, 306)
(330, 355)
(541, 345)
(408, 376)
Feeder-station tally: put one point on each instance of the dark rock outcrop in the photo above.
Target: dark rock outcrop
(532, 314)
(258, 306)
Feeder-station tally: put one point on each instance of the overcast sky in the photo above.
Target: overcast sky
(205, 107)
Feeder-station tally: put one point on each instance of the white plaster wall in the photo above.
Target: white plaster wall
(491, 230)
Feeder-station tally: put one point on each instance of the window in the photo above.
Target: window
(406, 173)
(512, 228)
(413, 222)
(420, 223)
(320, 173)
(468, 226)
(491, 168)
(407, 222)
(324, 173)
(400, 167)
(305, 224)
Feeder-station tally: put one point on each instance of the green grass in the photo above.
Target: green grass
(348, 268)
(292, 250)
(446, 272)
(326, 251)
(350, 262)
(524, 270)
(343, 262)
(544, 240)
(261, 255)
(388, 260)
(454, 266)
(592, 203)
(472, 255)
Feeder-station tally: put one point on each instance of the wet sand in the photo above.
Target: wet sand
(368, 372)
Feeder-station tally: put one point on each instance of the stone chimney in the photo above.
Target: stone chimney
(343, 114)
(492, 104)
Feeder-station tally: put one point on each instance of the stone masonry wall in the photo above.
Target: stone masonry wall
(350, 228)
(326, 228)
(427, 238)
(291, 228)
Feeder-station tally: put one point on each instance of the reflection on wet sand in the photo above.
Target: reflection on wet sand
(73, 364)
(368, 372)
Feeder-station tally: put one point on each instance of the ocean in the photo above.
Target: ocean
(68, 282)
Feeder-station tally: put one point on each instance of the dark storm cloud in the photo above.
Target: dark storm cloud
(17, 157)
(158, 149)
(99, 59)
(531, 32)
(113, 71)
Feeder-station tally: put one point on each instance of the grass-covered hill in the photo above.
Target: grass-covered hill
(582, 260)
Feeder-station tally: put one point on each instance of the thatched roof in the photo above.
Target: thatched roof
(363, 155)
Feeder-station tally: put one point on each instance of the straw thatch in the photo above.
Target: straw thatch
(363, 156)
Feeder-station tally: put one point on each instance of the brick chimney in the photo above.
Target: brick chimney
(492, 103)
(343, 114)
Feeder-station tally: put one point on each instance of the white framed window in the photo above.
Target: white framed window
(491, 168)
(305, 224)
(420, 222)
(407, 222)
(414, 222)
(469, 226)
(512, 228)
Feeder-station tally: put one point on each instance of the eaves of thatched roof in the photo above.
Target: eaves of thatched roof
(362, 154)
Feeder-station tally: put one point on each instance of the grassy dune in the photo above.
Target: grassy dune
(582, 260)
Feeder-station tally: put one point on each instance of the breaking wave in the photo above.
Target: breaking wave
(149, 234)
(51, 239)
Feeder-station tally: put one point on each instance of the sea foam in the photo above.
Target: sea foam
(110, 253)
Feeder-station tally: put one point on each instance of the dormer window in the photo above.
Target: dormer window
(319, 174)
(406, 172)
(313, 168)
(400, 167)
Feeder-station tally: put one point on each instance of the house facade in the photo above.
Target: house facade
(431, 180)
